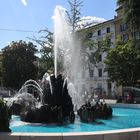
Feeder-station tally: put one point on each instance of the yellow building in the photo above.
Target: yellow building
(121, 28)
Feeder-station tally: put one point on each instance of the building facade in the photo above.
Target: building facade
(94, 77)
(121, 28)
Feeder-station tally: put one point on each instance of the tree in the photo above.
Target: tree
(74, 13)
(46, 59)
(131, 12)
(123, 64)
(18, 63)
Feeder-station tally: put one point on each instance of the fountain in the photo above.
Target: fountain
(57, 94)
(53, 105)
(49, 104)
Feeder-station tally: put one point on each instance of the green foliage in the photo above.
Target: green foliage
(5, 117)
(18, 63)
(46, 63)
(46, 59)
(131, 12)
(123, 63)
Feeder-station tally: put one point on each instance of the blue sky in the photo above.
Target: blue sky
(34, 15)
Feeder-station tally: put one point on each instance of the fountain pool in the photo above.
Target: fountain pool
(122, 118)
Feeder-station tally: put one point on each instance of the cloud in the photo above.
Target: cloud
(24, 2)
(90, 21)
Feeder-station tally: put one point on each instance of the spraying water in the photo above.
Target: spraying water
(66, 53)
(32, 85)
(61, 31)
(66, 50)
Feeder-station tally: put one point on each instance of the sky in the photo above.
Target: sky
(23, 19)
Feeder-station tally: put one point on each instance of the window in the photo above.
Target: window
(125, 37)
(100, 58)
(99, 32)
(99, 88)
(136, 35)
(91, 89)
(123, 27)
(99, 85)
(109, 42)
(109, 86)
(89, 35)
(108, 29)
(91, 73)
(100, 72)
(99, 43)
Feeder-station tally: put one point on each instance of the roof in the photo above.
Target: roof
(99, 24)
(119, 8)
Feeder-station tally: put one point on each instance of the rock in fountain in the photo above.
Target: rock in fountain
(59, 95)
(88, 112)
(21, 102)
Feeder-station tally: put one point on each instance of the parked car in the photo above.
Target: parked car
(131, 95)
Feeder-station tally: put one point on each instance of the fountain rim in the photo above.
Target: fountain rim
(75, 133)
(71, 135)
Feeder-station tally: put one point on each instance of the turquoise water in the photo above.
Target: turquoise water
(122, 118)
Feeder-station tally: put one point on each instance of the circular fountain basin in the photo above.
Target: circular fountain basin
(123, 118)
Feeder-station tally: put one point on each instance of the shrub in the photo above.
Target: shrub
(5, 116)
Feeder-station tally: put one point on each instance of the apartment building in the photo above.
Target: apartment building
(95, 78)
(121, 28)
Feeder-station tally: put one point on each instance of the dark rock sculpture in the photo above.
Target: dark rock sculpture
(89, 113)
(57, 104)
